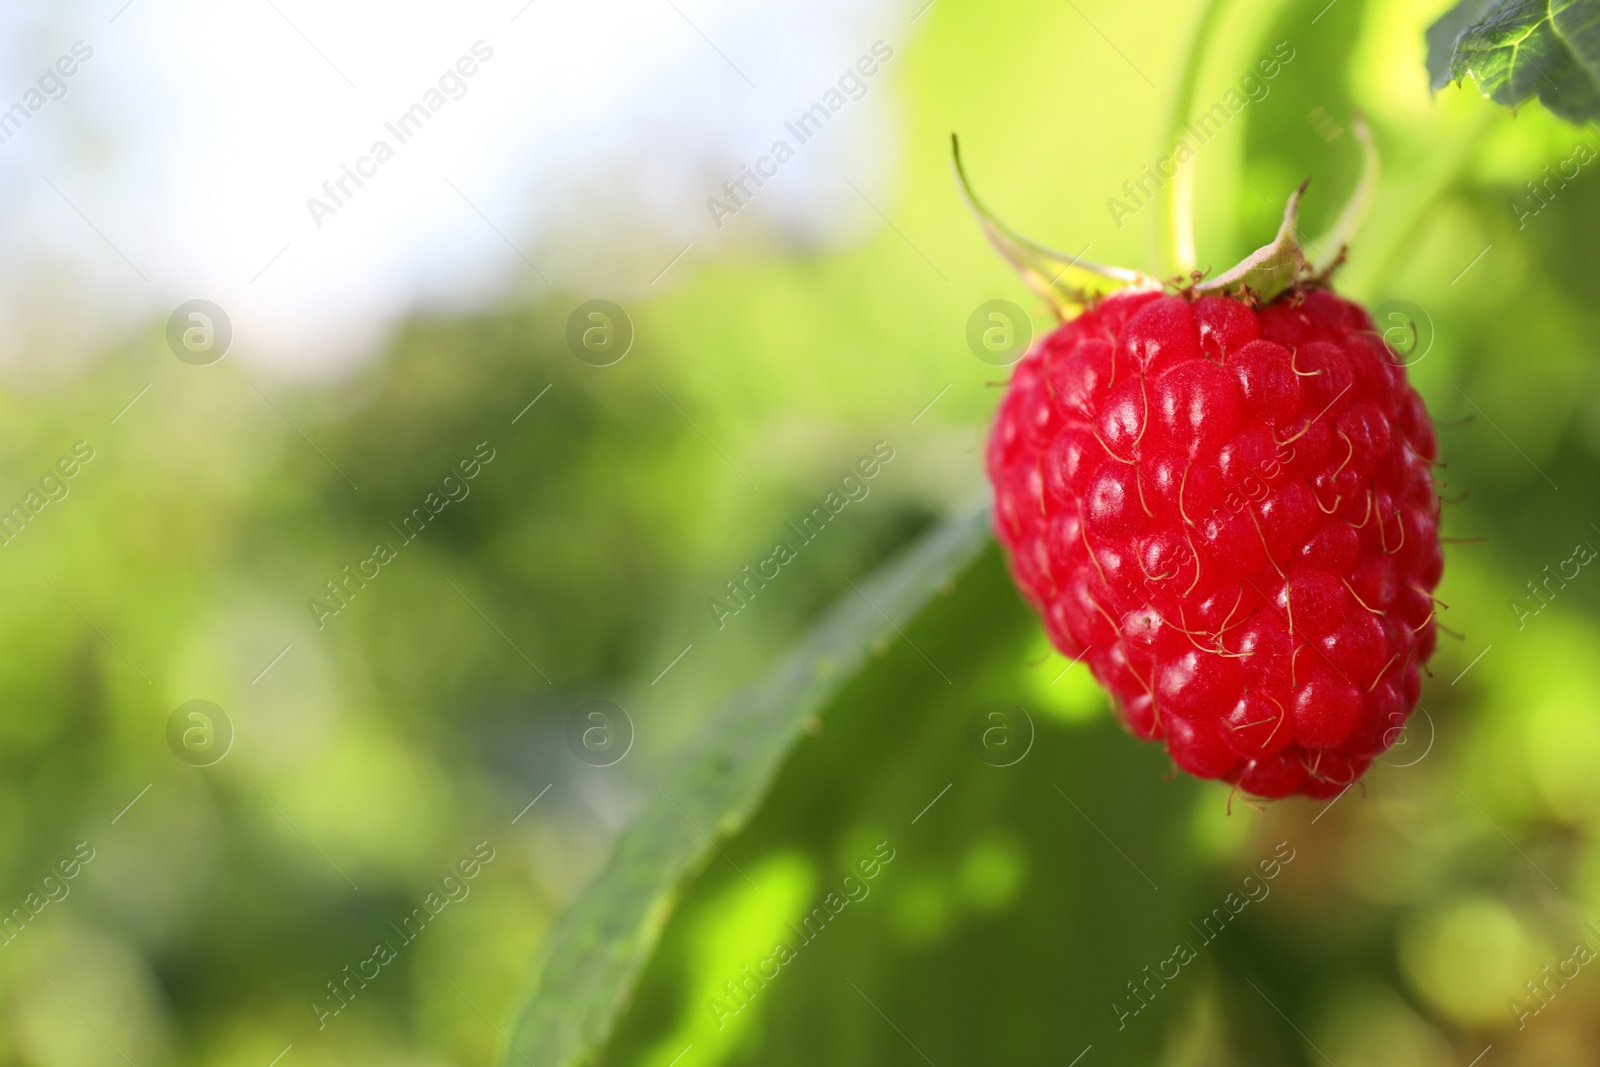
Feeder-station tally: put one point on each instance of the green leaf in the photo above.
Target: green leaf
(1518, 49)
(1441, 37)
(595, 953)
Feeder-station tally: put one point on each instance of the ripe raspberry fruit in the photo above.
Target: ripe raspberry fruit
(1220, 498)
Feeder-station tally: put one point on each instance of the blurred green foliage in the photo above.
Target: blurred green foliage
(428, 714)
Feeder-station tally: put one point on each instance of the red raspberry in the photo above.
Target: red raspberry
(1227, 511)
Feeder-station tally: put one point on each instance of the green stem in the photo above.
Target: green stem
(1175, 225)
(1397, 244)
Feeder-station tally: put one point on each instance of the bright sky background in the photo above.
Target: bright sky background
(178, 164)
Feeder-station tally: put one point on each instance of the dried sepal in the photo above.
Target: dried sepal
(1271, 269)
(1069, 283)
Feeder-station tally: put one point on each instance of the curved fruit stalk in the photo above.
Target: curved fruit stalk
(1174, 230)
(1355, 209)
